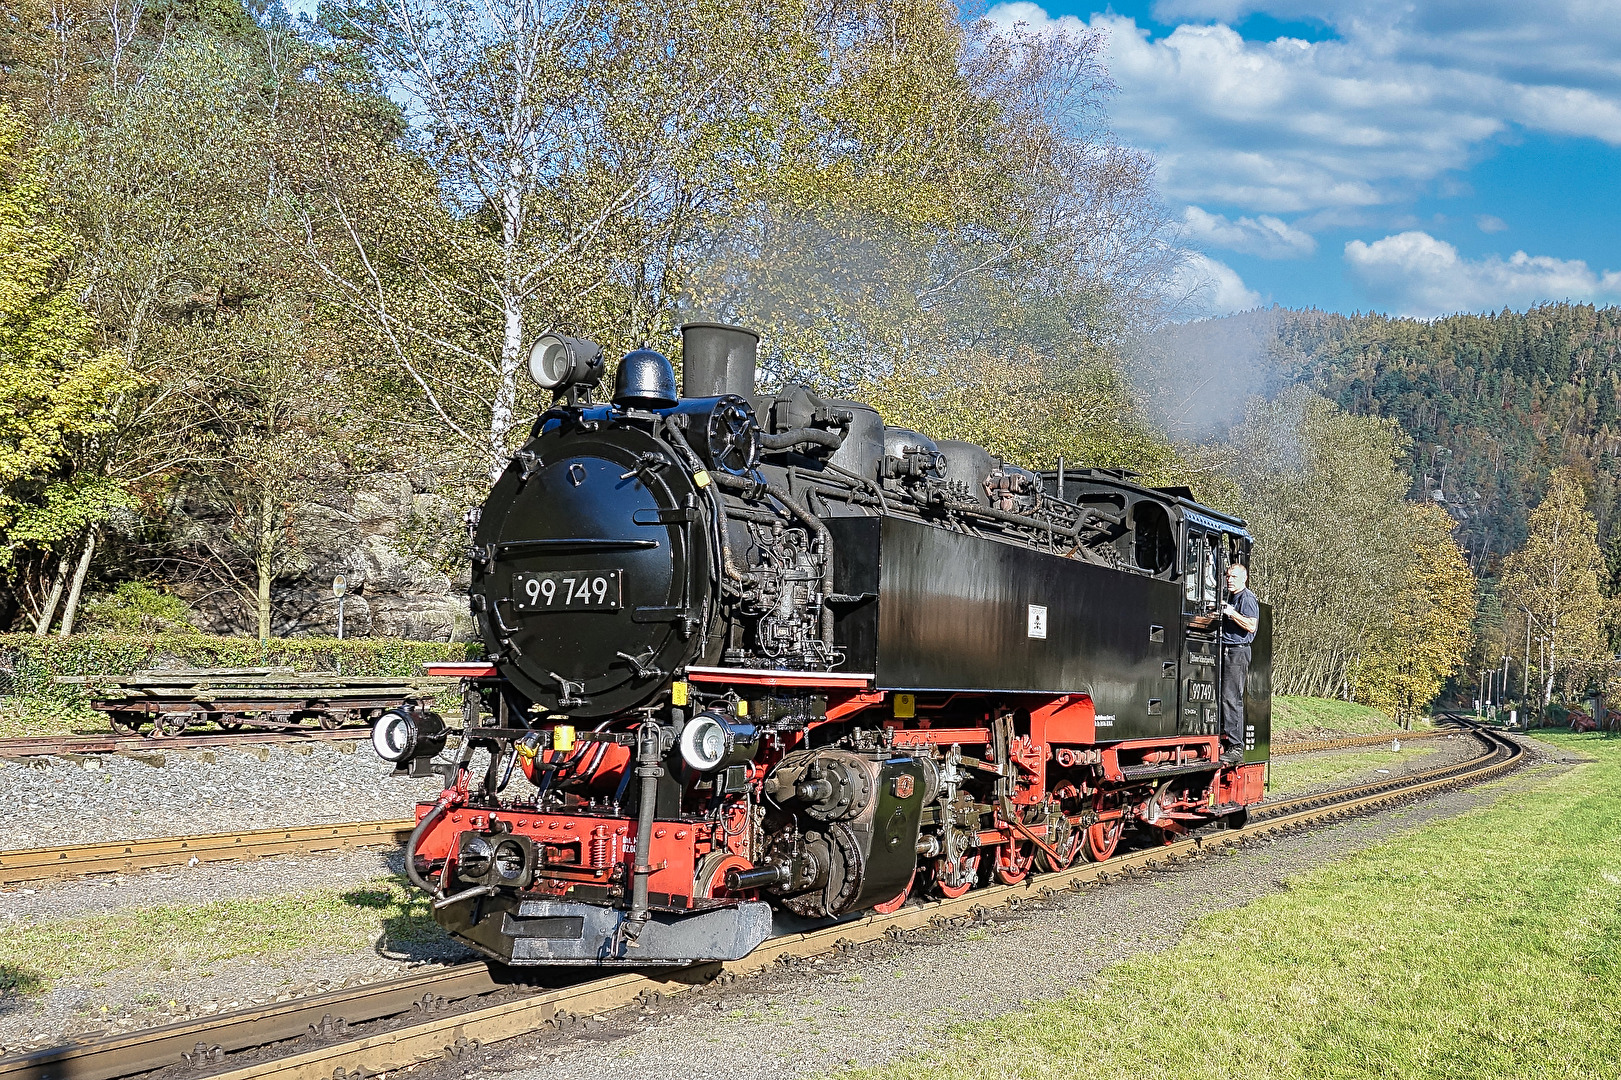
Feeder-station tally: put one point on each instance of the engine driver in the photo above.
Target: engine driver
(1240, 616)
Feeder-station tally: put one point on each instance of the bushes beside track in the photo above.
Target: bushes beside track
(31, 702)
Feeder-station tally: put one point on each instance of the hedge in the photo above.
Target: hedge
(31, 700)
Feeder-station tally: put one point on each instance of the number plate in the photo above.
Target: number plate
(567, 590)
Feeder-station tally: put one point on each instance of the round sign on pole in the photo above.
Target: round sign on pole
(340, 585)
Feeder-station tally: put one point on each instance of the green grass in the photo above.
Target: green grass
(1309, 715)
(186, 939)
(1291, 773)
(1485, 946)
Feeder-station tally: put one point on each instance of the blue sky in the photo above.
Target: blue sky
(1417, 158)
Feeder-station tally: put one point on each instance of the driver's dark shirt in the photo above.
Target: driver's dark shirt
(1250, 608)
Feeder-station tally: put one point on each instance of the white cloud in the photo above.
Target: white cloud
(1266, 236)
(1416, 274)
(1214, 288)
(1402, 95)
(1491, 223)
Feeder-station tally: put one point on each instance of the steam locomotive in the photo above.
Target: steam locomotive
(766, 653)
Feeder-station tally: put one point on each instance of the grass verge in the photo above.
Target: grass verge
(1306, 716)
(186, 939)
(1485, 946)
(1296, 773)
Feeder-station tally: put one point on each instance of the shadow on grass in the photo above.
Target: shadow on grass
(16, 985)
(409, 933)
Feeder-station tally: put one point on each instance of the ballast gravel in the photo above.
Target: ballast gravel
(123, 797)
(893, 999)
(103, 797)
(825, 1015)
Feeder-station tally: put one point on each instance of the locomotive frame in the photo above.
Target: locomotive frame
(806, 664)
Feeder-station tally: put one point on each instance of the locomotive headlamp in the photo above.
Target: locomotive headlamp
(512, 862)
(709, 742)
(473, 859)
(557, 362)
(408, 732)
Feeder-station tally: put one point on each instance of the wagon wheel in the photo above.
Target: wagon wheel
(889, 906)
(127, 720)
(174, 723)
(967, 871)
(1014, 860)
(333, 719)
(1064, 839)
(229, 723)
(1103, 838)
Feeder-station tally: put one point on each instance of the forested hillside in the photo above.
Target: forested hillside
(1492, 403)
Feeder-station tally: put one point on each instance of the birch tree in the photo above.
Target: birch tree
(1325, 500)
(575, 144)
(1552, 582)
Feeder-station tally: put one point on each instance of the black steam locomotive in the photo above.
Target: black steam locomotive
(767, 652)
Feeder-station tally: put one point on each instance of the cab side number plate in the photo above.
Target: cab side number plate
(567, 590)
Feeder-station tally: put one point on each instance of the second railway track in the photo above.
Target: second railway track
(436, 1015)
(80, 860)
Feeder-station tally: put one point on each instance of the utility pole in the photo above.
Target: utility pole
(1525, 695)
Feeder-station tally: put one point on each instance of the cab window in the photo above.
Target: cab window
(1199, 572)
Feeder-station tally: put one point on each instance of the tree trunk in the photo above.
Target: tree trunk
(512, 355)
(83, 571)
(264, 563)
(506, 393)
(48, 614)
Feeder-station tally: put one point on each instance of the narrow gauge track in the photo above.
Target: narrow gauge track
(438, 1015)
(79, 745)
(81, 860)
(1312, 746)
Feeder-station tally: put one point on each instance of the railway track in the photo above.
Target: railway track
(80, 745)
(1314, 745)
(439, 1015)
(80, 860)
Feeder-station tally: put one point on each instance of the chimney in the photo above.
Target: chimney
(717, 359)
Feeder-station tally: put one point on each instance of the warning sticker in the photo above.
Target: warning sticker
(1036, 626)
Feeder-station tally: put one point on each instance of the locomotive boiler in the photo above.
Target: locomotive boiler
(752, 653)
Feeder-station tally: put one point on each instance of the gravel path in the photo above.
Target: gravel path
(117, 797)
(892, 999)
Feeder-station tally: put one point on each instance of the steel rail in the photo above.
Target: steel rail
(82, 860)
(1312, 746)
(79, 860)
(427, 1037)
(56, 746)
